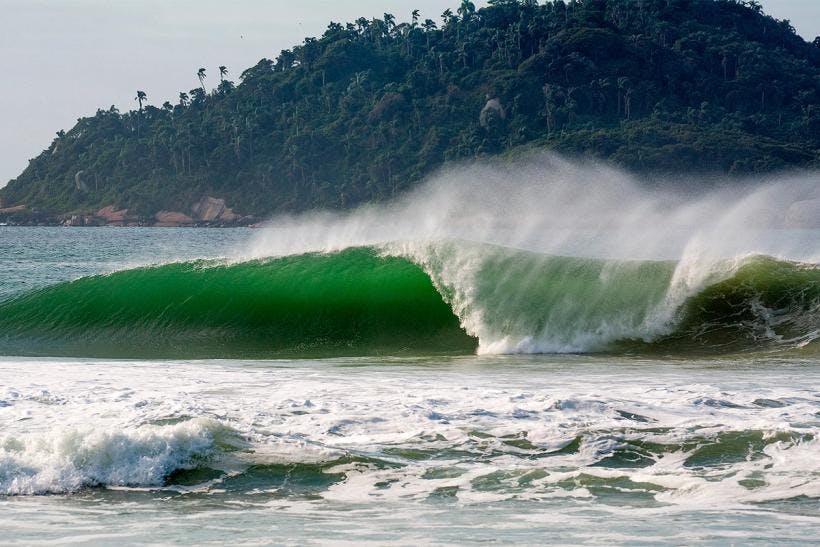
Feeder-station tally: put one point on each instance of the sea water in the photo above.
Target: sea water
(635, 445)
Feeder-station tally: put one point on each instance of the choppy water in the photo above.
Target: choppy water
(627, 446)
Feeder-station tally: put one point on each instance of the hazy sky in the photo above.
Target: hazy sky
(63, 59)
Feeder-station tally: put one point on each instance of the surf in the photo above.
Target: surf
(450, 297)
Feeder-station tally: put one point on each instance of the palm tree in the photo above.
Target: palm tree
(223, 71)
(183, 99)
(389, 21)
(415, 16)
(429, 25)
(466, 10)
(201, 75)
(140, 98)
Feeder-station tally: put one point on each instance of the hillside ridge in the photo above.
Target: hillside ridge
(370, 108)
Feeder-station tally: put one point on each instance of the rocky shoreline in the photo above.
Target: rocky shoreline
(209, 212)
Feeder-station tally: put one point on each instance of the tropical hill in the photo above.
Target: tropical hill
(371, 107)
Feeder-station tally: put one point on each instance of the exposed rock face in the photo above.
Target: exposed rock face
(112, 215)
(79, 183)
(492, 108)
(80, 220)
(228, 215)
(803, 214)
(210, 209)
(170, 219)
(10, 210)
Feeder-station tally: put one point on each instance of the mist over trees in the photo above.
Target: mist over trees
(371, 107)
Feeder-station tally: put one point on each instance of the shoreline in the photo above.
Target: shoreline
(157, 225)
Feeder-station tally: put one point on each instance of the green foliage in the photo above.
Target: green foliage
(368, 109)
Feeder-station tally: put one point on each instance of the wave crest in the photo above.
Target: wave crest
(63, 461)
(449, 296)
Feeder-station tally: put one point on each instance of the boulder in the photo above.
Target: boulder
(208, 209)
(170, 219)
(112, 215)
(493, 107)
(228, 215)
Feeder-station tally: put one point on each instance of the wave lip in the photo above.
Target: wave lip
(64, 461)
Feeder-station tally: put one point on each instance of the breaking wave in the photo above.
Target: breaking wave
(451, 297)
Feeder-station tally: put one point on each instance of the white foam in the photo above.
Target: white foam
(68, 459)
(68, 425)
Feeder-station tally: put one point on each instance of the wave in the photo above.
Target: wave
(434, 297)
(205, 456)
(70, 460)
(349, 303)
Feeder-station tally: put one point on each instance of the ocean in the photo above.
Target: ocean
(393, 376)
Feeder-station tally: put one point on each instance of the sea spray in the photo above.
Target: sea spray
(706, 229)
(541, 255)
(61, 460)
(553, 206)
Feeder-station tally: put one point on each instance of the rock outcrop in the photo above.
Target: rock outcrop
(170, 219)
(492, 108)
(115, 217)
(79, 183)
(12, 210)
(210, 209)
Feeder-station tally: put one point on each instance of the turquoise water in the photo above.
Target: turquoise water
(682, 442)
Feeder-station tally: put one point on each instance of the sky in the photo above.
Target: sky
(64, 59)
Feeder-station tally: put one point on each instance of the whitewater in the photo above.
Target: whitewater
(538, 351)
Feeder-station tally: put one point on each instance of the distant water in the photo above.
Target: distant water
(446, 391)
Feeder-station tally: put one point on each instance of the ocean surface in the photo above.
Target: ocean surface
(254, 387)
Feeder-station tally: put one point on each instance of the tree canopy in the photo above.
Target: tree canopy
(371, 107)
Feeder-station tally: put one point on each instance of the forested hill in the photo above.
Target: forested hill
(371, 107)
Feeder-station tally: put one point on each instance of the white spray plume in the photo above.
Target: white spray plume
(552, 205)
(555, 207)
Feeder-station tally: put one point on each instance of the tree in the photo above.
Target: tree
(389, 22)
(466, 10)
(201, 75)
(360, 113)
(141, 98)
(429, 26)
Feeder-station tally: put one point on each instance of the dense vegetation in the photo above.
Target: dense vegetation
(371, 107)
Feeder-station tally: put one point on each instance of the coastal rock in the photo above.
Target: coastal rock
(11, 210)
(211, 209)
(112, 215)
(170, 219)
(228, 215)
(208, 209)
(80, 220)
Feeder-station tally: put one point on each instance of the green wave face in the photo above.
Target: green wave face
(766, 304)
(350, 303)
(462, 298)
